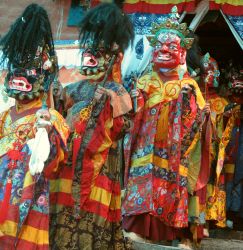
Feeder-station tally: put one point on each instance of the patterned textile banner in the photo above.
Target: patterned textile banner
(229, 7)
(237, 22)
(143, 21)
(155, 6)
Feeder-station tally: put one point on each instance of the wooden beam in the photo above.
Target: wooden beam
(201, 10)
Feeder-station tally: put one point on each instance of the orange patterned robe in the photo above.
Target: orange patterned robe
(26, 223)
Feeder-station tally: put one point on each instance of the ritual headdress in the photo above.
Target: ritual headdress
(106, 24)
(28, 51)
(171, 25)
(105, 33)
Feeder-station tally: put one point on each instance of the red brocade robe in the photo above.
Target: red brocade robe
(94, 190)
(91, 219)
(157, 151)
(24, 201)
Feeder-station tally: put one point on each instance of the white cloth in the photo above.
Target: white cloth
(40, 150)
(137, 57)
(69, 58)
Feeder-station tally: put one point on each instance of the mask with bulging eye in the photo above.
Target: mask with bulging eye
(236, 85)
(168, 53)
(96, 61)
(29, 79)
(211, 73)
(24, 84)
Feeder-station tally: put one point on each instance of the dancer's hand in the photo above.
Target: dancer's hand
(207, 109)
(43, 119)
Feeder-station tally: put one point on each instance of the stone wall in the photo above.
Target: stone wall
(57, 11)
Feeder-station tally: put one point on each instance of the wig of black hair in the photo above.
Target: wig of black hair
(119, 3)
(108, 24)
(30, 30)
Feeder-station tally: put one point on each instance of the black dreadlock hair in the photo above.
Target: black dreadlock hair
(119, 3)
(30, 30)
(108, 24)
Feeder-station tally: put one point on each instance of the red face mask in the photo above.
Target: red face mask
(211, 73)
(168, 52)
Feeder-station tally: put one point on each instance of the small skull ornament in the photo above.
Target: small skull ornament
(43, 114)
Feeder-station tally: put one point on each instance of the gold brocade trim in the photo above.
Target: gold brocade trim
(163, 163)
(28, 106)
(24, 127)
(229, 168)
(98, 159)
(153, 86)
(193, 144)
(28, 233)
(224, 142)
(28, 180)
(105, 198)
(194, 206)
(142, 161)
(160, 162)
(159, 91)
(162, 126)
(2, 121)
(85, 113)
(216, 209)
(13, 131)
(218, 104)
(61, 185)
(60, 125)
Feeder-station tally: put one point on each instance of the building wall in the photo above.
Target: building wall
(56, 9)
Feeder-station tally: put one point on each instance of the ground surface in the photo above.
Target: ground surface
(219, 240)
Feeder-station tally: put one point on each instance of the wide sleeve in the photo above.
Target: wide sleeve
(58, 141)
